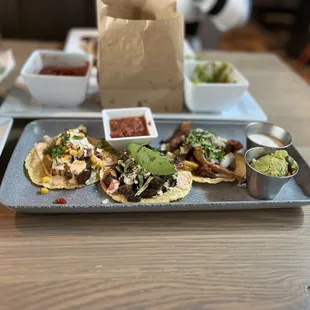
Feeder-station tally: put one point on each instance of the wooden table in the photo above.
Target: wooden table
(211, 260)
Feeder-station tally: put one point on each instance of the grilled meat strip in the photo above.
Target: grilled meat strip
(215, 168)
(233, 146)
(204, 171)
(178, 136)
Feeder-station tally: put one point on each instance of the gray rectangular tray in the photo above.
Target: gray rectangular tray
(18, 193)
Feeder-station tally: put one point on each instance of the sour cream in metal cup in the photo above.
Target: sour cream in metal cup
(267, 135)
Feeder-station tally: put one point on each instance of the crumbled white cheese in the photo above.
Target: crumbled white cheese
(128, 180)
(163, 147)
(82, 144)
(166, 185)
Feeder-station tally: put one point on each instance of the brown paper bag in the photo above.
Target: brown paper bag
(140, 54)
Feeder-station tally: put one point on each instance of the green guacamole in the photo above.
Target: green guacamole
(273, 164)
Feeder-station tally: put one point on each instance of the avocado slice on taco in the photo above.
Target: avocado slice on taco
(143, 175)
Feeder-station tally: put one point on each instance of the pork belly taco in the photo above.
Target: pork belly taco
(144, 175)
(210, 158)
(68, 160)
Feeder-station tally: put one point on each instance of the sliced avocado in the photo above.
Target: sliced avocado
(151, 160)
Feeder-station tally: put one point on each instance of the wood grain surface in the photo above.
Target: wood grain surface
(212, 260)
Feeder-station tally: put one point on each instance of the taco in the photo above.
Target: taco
(210, 158)
(143, 175)
(68, 160)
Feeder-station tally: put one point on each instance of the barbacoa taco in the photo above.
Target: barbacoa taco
(69, 160)
(210, 158)
(143, 175)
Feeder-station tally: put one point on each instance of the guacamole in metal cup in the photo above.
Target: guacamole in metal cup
(274, 164)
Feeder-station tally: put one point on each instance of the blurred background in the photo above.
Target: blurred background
(278, 26)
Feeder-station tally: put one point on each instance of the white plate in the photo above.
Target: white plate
(72, 45)
(19, 104)
(5, 128)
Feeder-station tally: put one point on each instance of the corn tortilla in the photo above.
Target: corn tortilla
(36, 171)
(183, 187)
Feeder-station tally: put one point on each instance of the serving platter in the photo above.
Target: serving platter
(19, 104)
(91, 200)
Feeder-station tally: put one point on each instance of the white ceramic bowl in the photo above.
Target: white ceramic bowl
(122, 143)
(56, 90)
(212, 97)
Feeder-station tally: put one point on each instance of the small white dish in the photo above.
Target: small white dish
(56, 90)
(122, 143)
(212, 97)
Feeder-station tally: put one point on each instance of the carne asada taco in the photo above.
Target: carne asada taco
(210, 158)
(69, 160)
(143, 175)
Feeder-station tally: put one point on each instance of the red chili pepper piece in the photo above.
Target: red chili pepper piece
(61, 201)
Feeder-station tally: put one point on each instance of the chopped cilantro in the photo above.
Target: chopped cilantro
(140, 180)
(65, 137)
(204, 139)
(77, 138)
(54, 150)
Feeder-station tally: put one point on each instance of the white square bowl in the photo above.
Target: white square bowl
(56, 90)
(212, 97)
(122, 143)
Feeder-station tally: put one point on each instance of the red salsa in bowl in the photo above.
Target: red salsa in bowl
(128, 127)
(65, 71)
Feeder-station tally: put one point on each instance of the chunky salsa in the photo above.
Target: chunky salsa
(128, 127)
(65, 71)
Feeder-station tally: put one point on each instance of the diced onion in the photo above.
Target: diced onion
(227, 160)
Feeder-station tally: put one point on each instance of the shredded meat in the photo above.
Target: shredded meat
(233, 146)
(215, 168)
(179, 136)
